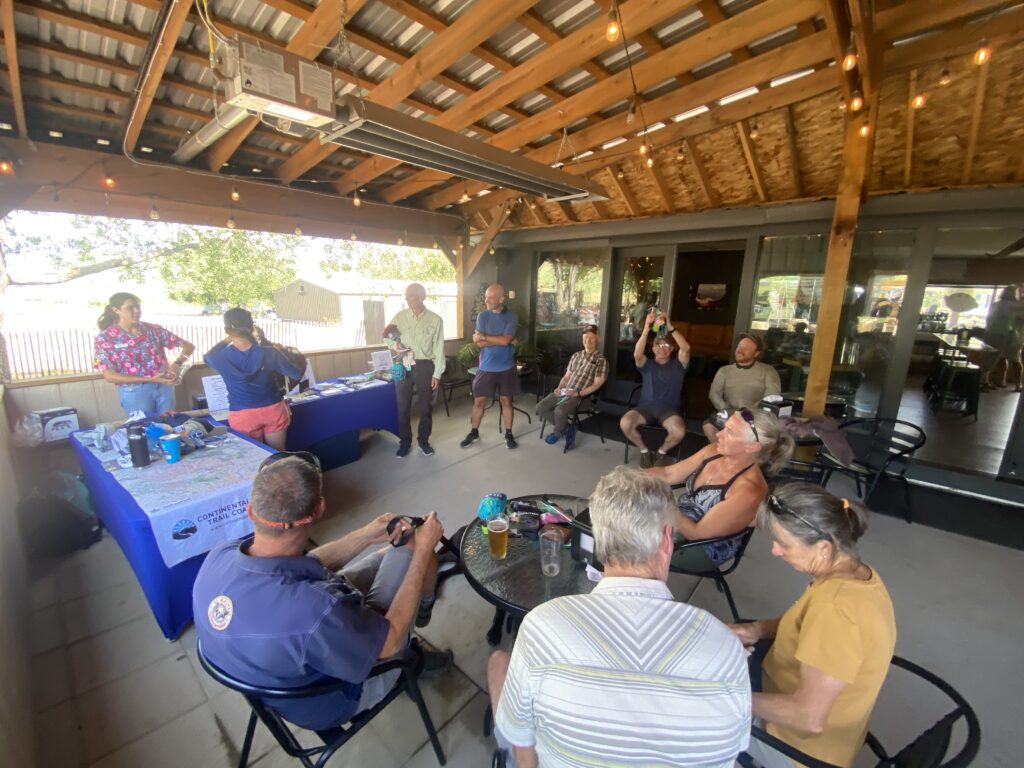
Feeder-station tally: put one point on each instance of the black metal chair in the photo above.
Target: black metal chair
(452, 380)
(882, 448)
(718, 573)
(260, 701)
(928, 750)
(653, 430)
(585, 408)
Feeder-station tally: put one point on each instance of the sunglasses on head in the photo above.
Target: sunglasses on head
(306, 456)
(777, 507)
(748, 417)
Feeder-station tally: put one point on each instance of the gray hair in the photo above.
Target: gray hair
(777, 444)
(286, 491)
(628, 509)
(418, 289)
(812, 514)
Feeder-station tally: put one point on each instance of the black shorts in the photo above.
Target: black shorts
(500, 383)
(657, 414)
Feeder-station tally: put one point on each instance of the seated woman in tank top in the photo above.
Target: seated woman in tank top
(725, 485)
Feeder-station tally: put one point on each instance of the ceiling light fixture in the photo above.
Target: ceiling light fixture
(613, 31)
(235, 197)
(356, 200)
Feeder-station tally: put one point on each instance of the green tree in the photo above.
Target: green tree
(386, 262)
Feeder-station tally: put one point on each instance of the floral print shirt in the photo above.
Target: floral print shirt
(140, 355)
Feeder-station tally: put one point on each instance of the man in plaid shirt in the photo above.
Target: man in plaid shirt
(584, 375)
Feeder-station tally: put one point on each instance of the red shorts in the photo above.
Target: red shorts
(256, 422)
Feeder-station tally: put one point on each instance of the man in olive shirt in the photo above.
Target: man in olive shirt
(422, 332)
(743, 384)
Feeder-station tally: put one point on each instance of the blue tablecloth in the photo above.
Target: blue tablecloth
(314, 421)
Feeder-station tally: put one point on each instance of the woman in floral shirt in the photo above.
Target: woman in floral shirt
(131, 355)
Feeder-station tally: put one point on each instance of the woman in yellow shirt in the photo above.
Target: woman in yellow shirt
(832, 648)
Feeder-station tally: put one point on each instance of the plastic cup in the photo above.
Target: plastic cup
(172, 448)
(497, 537)
(550, 552)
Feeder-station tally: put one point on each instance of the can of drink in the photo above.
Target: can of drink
(138, 445)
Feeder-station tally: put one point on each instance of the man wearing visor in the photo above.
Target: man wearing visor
(268, 613)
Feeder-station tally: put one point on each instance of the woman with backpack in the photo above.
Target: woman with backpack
(252, 370)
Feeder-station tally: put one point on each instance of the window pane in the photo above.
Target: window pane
(569, 290)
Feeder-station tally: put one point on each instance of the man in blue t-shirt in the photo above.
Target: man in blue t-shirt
(661, 393)
(274, 617)
(494, 335)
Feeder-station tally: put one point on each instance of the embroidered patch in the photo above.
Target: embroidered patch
(220, 611)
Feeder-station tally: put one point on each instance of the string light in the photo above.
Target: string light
(918, 101)
(154, 214)
(298, 231)
(631, 115)
(865, 131)
(356, 200)
(6, 167)
(613, 31)
(434, 245)
(754, 133)
(842, 104)
(353, 236)
(857, 102)
(983, 54)
(465, 197)
(850, 59)
(401, 241)
(945, 78)
(231, 221)
(620, 175)
(491, 250)
(643, 148)
(109, 181)
(650, 162)
(235, 197)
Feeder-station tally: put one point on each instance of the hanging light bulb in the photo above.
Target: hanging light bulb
(613, 31)
(401, 240)
(643, 148)
(850, 59)
(6, 167)
(491, 250)
(235, 197)
(865, 131)
(983, 54)
(620, 175)
(842, 104)
(231, 221)
(650, 162)
(356, 200)
(631, 115)
(945, 78)
(353, 236)
(754, 133)
(465, 197)
(434, 245)
(298, 230)
(918, 101)
(857, 102)
(109, 182)
(154, 214)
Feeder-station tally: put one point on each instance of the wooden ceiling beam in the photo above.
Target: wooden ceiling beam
(706, 185)
(576, 48)
(918, 15)
(481, 21)
(786, 58)
(976, 112)
(664, 191)
(538, 26)
(794, 153)
(837, 24)
(622, 187)
(568, 212)
(869, 50)
(536, 208)
(743, 130)
(1008, 28)
(13, 72)
(149, 79)
(908, 151)
(492, 230)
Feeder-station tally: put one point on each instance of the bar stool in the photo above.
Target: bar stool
(958, 382)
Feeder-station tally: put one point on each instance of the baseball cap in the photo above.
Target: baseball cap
(756, 339)
(238, 318)
(590, 328)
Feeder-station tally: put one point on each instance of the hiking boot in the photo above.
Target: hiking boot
(646, 459)
(510, 442)
(469, 439)
(426, 449)
(570, 437)
(551, 439)
(403, 451)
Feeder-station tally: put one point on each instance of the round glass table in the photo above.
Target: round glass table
(515, 585)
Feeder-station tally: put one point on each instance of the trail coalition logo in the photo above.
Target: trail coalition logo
(220, 611)
(183, 529)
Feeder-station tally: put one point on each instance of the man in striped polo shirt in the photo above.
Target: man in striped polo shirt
(624, 675)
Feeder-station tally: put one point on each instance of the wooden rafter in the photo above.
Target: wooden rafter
(794, 152)
(908, 152)
(869, 51)
(493, 228)
(577, 48)
(972, 138)
(1007, 28)
(149, 79)
(664, 191)
(481, 21)
(915, 15)
(13, 72)
(837, 24)
(702, 175)
(743, 130)
(622, 187)
(536, 209)
(568, 212)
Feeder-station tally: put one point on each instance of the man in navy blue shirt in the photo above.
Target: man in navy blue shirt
(274, 617)
(661, 392)
(495, 334)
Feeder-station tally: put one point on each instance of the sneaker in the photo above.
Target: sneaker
(510, 442)
(551, 439)
(426, 449)
(469, 439)
(570, 437)
(663, 460)
(403, 451)
(646, 459)
(425, 612)
(435, 663)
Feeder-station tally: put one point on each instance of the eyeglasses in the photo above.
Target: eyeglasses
(306, 456)
(776, 506)
(749, 418)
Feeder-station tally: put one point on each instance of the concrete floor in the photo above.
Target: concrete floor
(113, 692)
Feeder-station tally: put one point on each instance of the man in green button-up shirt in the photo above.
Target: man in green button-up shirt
(422, 332)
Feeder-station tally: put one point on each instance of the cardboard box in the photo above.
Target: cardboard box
(57, 423)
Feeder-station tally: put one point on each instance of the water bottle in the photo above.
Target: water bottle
(138, 445)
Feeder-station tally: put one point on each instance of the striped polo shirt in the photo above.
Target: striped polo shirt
(626, 676)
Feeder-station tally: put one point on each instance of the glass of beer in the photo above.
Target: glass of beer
(497, 537)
